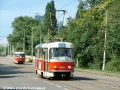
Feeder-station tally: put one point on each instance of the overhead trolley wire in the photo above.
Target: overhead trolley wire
(67, 4)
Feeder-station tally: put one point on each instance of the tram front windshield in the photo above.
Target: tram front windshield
(19, 55)
(61, 54)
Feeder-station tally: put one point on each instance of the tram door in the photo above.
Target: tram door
(46, 60)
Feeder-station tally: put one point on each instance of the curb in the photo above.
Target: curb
(98, 72)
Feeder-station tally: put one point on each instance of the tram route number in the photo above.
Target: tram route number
(61, 44)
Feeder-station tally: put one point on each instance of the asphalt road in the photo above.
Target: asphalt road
(22, 77)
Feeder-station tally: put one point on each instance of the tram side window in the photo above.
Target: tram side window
(51, 53)
(37, 53)
(41, 53)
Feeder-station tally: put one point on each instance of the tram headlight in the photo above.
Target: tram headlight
(69, 67)
(55, 67)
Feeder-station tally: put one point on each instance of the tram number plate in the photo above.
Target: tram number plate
(62, 67)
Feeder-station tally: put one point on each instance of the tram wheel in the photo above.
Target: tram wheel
(67, 78)
(23, 63)
(50, 78)
(41, 75)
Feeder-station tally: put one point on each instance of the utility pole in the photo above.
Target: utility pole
(64, 11)
(40, 36)
(24, 40)
(104, 53)
(32, 43)
(61, 24)
(8, 48)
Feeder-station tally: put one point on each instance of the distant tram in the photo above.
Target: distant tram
(19, 57)
(54, 59)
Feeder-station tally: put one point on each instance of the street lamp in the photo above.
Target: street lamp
(104, 53)
(1, 46)
(40, 36)
(24, 40)
(32, 43)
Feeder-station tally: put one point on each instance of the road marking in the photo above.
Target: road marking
(110, 86)
(44, 81)
(57, 85)
(51, 83)
(66, 89)
(35, 78)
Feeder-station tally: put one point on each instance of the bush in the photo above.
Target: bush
(113, 65)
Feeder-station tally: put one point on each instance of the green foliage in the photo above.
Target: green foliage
(50, 22)
(24, 25)
(81, 9)
(93, 3)
(86, 32)
(114, 64)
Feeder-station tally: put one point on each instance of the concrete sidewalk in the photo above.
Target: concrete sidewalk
(98, 72)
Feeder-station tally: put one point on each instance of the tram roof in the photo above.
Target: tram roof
(55, 45)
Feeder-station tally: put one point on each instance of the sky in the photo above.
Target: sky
(11, 9)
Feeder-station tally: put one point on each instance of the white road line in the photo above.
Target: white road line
(51, 83)
(35, 78)
(57, 85)
(44, 81)
(66, 89)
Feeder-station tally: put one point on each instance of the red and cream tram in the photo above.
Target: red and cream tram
(54, 59)
(19, 57)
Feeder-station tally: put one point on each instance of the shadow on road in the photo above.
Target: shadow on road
(82, 78)
(10, 70)
(7, 76)
(75, 78)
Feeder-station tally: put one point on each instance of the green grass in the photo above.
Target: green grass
(105, 71)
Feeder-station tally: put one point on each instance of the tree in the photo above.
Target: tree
(93, 3)
(50, 22)
(23, 25)
(87, 35)
(113, 37)
(81, 9)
